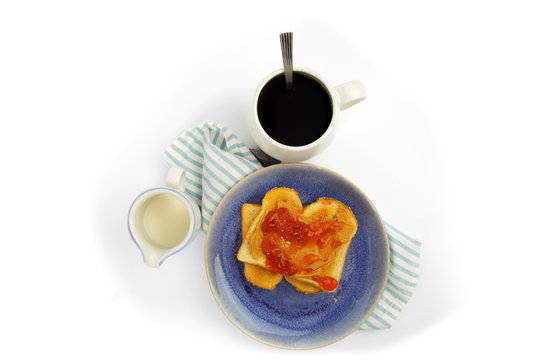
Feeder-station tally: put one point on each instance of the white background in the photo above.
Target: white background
(446, 146)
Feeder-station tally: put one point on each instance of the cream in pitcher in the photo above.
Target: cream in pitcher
(166, 220)
(162, 221)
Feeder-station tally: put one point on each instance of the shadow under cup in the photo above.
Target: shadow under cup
(295, 117)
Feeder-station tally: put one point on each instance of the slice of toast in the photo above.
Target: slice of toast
(257, 275)
(332, 269)
(331, 263)
(305, 285)
(264, 278)
(250, 251)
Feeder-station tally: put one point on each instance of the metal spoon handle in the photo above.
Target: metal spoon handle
(286, 40)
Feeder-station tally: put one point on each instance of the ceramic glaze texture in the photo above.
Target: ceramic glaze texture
(284, 317)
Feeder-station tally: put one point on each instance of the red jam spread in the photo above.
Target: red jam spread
(327, 283)
(285, 236)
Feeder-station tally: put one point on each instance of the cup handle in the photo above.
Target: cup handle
(351, 93)
(176, 178)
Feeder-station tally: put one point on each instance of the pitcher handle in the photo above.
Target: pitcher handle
(176, 178)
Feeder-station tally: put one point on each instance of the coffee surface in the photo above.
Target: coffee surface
(296, 117)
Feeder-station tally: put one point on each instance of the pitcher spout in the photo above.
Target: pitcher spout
(153, 259)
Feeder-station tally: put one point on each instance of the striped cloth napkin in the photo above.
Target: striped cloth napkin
(215, 159)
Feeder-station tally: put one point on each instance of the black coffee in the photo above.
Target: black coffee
(296, 117)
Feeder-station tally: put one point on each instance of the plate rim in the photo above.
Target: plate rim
(380, 223)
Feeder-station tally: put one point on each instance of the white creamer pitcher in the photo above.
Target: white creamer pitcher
(164, 220)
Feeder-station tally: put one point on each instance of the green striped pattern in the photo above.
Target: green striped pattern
(401, 282)
(214, 160)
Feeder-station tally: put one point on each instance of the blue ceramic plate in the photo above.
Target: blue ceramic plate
(284, 317)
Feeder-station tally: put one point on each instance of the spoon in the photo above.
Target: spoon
(286, 40)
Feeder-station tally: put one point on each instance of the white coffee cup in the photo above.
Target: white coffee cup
(164, 220)
(341, 97)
